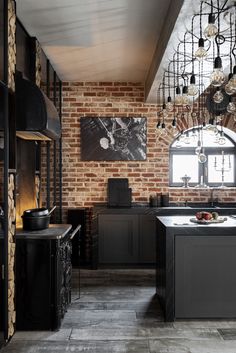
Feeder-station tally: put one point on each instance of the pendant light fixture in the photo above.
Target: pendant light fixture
(217, 77)
(211, 30)
(218, 96)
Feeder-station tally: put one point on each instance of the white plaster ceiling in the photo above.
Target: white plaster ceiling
(97, 40)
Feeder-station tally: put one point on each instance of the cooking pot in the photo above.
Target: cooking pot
(36, 218)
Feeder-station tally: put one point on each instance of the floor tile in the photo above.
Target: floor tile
(109, 346)
(61, 335)
(36, 347)
(228, 334)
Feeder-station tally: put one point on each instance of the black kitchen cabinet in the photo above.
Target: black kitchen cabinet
(43, 277)
(210, 261)
(126, 239)
(118, 239)
(195, 265)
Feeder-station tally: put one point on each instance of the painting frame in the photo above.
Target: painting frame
(113, 138)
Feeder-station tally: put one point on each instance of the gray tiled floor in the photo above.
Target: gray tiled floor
(117, 312)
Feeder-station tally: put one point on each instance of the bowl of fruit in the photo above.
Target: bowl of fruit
(204, 217)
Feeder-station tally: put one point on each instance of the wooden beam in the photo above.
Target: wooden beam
(167, 29)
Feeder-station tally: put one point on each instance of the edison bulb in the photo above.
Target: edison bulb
(211, 30)
(201, 52)
(218, 96)
(231, 108)
(158, 125)
(169, 105)
(229, 89)
(192, 90)
(232, 81)
(217, 77)
(202, 158)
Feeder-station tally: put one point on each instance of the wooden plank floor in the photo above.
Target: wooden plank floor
(117, 312)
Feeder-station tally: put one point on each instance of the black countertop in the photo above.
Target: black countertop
(55, 231)
(162, 211)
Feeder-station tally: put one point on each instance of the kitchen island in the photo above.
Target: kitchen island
(195, 271)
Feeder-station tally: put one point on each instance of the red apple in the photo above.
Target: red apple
(207, 216)
(199, 215)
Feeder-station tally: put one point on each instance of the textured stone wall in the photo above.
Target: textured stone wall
(85, 183)
(11, 179)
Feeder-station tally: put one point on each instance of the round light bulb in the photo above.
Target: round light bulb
(185, 99)
(217, 77)
(201, 52)
(169, 105)
(229, 89)
(192, 90)
(178, 97)
(218, 96)
(164, 113)
(178, 100)
(202, 158)
(231, 108)
(211, 30)
(158, 125)
(232, 82)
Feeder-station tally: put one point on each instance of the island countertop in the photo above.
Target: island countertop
(184, 222)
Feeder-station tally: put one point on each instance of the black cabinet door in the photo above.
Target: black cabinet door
(118, 239)
(205, 281)
(147, 239)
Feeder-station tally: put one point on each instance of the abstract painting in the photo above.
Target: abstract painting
(113, 139)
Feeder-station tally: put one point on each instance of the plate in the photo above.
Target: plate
(211, 221)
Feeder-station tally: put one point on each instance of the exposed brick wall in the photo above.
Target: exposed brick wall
(85, 183)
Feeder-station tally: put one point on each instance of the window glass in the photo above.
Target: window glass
(217, 163)
(185, 164)
(219, 147)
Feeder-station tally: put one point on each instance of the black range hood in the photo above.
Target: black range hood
(36, 115)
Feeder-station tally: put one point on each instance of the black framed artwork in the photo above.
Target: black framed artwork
(113, 139)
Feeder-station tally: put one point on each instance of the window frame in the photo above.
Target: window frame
(203, 167)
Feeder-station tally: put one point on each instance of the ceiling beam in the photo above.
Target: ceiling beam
(151, 83)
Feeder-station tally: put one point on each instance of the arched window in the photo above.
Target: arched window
(206, 155)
